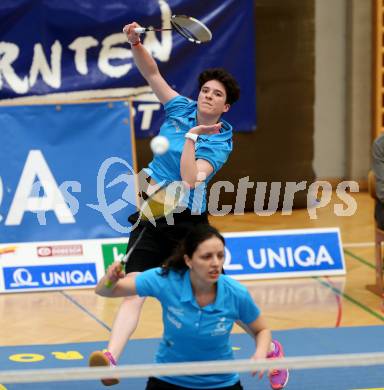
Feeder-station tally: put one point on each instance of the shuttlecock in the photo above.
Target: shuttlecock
(159, 144)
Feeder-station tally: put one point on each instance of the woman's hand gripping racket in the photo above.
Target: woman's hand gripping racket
(188, 27)
(161, 203)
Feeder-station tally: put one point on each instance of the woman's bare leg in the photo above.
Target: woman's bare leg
(125, 324)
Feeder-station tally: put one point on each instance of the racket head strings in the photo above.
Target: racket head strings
(191, 28)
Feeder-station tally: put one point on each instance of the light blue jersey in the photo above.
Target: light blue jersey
(194, 333)
(180, 117)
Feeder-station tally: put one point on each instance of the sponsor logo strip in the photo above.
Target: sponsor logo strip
(49, 276)
(113, 252)
(60, 250)
(284, 254)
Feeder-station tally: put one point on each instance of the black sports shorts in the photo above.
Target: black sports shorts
(158, 242)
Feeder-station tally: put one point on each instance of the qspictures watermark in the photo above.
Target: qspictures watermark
(319, 195)
(45, 195)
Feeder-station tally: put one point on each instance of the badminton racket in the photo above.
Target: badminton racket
(187, 26)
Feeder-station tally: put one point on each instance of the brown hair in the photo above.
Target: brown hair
(188, 246)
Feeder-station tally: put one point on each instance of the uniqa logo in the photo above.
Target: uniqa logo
(23, 278)
(67, 277)
(303, 256)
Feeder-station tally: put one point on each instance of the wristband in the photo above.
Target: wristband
(192, 136)
(136, 43)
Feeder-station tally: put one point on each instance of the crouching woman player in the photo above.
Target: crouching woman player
(200, 306)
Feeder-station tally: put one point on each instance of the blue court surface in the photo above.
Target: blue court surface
(298, 342)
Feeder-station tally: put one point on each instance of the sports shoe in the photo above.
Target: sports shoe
(104, 359)
(277, 378)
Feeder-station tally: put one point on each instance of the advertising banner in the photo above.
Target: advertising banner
(66, 178)
(279, 254)
(284, 253)
(271, 254)
(62, 167)
(75, 49)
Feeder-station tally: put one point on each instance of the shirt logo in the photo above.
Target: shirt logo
(174, 321)
(177, 127)
(221, 328)
(177, 311)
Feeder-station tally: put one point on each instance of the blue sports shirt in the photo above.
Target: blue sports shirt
(194, 333)
(180, 117)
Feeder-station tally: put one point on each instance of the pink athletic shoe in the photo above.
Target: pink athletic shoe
(104, 359)
(277, 378)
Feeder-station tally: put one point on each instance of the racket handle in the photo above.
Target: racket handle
(140, 30)
(108, 283)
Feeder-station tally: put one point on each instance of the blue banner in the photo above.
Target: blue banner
(76, 49)
(50, 276)
(286, 253)
(66, 172)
